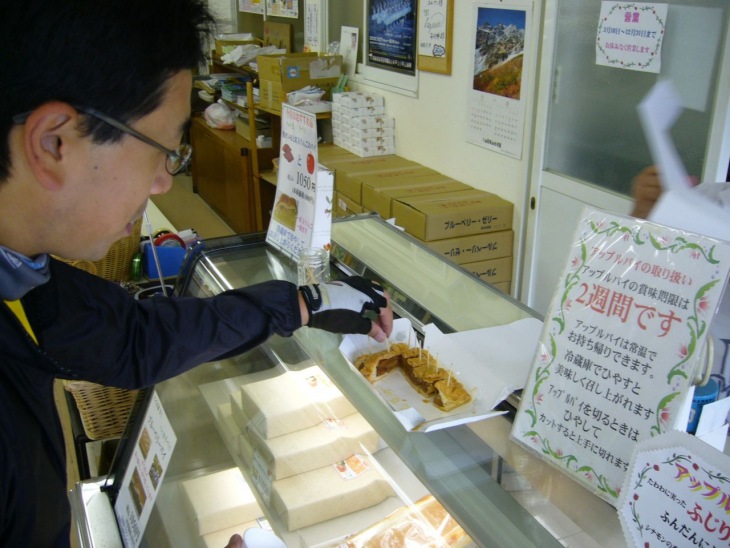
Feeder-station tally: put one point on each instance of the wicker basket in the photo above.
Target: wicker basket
(104, 410)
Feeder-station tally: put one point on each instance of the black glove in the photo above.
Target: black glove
(344, 306)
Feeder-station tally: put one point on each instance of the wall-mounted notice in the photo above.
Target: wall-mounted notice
(630, 35)
(302, 213)
(315, 26)
(283, 8)
(251, 6)
(676, 493)
(620, 345)
(435, 35)
(497, 91)
(144, 474)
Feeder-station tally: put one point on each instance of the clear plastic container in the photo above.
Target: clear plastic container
(313, 266)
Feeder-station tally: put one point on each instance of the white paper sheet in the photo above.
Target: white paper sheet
(509, 351)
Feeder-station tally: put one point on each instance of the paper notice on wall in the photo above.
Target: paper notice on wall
(630, 34)
(621, 342)
(302, 212)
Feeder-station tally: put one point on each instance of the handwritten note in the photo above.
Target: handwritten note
(432, 28)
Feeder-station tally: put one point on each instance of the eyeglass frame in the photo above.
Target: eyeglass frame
(183, 153)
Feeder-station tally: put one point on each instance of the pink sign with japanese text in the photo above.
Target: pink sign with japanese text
(620, 345)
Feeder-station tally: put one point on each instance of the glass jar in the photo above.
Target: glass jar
(313, 266)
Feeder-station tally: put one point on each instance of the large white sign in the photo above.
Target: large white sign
(620, 345)
(302, 213)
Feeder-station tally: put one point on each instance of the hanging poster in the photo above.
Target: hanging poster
(144, 473)
(283, 8)
(251, 6)
(391, 35)
(302, 212)
(620, 345)
(677, 493)
(630, 34)
(497, 96)
(315, 26)
(435, 35)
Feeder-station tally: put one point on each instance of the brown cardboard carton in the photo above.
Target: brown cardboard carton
(505, 287)
(492, 271)
(280, 74)
(478, 247)
(329, 152)
(461, 214)
(379, 198)
(345, 170)
(344, 207)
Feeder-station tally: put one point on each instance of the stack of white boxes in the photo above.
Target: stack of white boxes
(360, 125)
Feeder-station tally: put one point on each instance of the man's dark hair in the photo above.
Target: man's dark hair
(113, 55)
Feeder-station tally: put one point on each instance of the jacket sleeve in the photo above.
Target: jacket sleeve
(94, 330)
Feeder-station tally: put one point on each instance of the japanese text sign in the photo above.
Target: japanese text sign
(302, 213)
(630, 35)
(144, 474)
(677, 493)
(620, 345)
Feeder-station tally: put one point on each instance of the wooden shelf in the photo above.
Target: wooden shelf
(270, 177)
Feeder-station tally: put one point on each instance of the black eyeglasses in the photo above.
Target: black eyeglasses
(177, 160)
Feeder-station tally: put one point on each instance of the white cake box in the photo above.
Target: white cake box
(220, 500)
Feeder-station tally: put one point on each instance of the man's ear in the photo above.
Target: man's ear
(50, 132)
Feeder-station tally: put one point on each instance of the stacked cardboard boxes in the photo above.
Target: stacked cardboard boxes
(280, 74)
(360, 125)
(472, 228)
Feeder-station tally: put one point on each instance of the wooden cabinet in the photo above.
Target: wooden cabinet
(222, 174)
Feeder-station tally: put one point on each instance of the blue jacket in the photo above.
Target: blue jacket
(92, 329)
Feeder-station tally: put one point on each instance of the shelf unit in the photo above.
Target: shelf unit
(261, 176)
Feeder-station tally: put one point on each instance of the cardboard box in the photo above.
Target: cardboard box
(345, 170)
(225, 45)
(479, 247)
(450, 217)
(492, 271)
(344, 207)
(329, 152)
(280, 74)
(505, 287)
(380, 198)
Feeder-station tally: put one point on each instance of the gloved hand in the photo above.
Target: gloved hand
(350, 305)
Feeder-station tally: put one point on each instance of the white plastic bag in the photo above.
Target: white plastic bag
(219, 116)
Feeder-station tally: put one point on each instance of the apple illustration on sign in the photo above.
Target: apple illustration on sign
(310, 163)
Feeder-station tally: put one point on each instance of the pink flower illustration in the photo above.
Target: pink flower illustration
(575, 262)
(539, 398)
(664, 415)
(695, 254)
(704, 304)
(683, 351)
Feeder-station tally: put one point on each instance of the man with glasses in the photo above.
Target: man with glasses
(95, 102)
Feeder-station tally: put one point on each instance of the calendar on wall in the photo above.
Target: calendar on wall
(497, 92)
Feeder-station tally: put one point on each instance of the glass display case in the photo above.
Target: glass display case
(498, 493)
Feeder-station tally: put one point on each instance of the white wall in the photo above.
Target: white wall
(431, 129)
